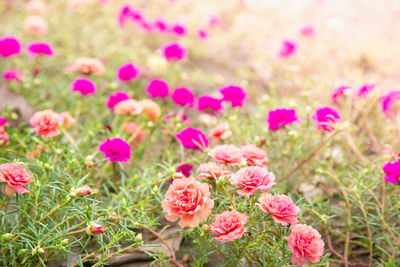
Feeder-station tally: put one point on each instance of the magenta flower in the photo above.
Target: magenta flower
(128, 72)
(366, 89)
(84, 86)
(125, 13)
(179, 30)
(326, 118)
(9, 46)
(185, 169)
(387, 102)
(281, 117)
(174, 51)
(234, 94)
(340, 92)
(12, 75)
(288, 49)
(307, 31)
(183, 97)
(161, 25)
(115, 98)
(192, 138)
(157, 88)
(116, 149)
(209, 104)
(40, 48)
(392, 171)
(3, 121)
(202, 33)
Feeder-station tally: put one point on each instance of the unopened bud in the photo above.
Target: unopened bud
(37, 251)
(94, 229)
(139, 238)
(7, 237)
(205, 227)
(65, 242)
(83, 191)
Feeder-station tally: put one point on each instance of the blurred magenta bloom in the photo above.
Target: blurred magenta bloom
(174, 51)
(128, 72)
(307, 31)
(192, 138)
(387, 102)
(366, 89)
(392, 172)
(340, 92)
(12, 75)
(115, 98)
(183, 97)
(179, 30)
(214, 20)
(209, 104)
(84, 86)
(40, 48)
(202, 33)
(116, 149)
(281, 117)
(9, 46)
(234, 94)
(288, 48)
(185, 169)
(157, 88)
(3, 121)
(160, 25)
(326, 117)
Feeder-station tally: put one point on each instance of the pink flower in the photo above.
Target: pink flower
(307, 31)
(202, 33)
(183, 97)
(254, 155)
(221, 131)
(179, 30)
(214, 20)
(228, 154)
(252, 179)
(87, 65)
(83, 191)
(387, 102)
(46, 123)
(16, 177)
(306, 244)
(192, 138)
(234, 94)
(228, 226)
(185, 169)
(281, 117)
(212, 170)
(9, 46)
(340, 92)
(128, 107)
(12, 75)
(95, 229)
(392, 172)
(209, 104)
(326, 118)
(128, 72)
(157, 88)
(174, 51)
(84, 86)
(40, 48)
(365, 90)
(135, 131)
(288, 49)
(4, 139)
(36, 25)
(115, 149)
(189, 200)
(282, 208)
(115, 98)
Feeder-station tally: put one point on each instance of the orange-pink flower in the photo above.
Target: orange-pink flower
(4, 140)
(16, 177)
(306, 244)
(67, 119)
(254, 155)
(46, 123)
(189, 200)
(252, 179)
(150, 108)
(282, 208)
(135, 131)
(212, 170)
(128, 107)
(228, 154)
(36, 25)
(228, 226)
(87, 65)
(221, 131)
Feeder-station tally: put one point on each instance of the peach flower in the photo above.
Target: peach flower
(282, 208)
(252, 179)
(189, 200)
(4, 140)
(128, 107)
(221, 131)
(88, 65)
(387, 153)
(212, 170)
(228, 154)
(306, 244)
(229, 225)
(135, 131)
(36, 7)
(254, 155)
(150, 108)
(36, 25)
(67, 119)
(16, 177)
(46, 123)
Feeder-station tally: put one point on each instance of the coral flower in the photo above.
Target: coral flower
(282, 208)
(392, 172)
(128, 72)
(87, 65)
(228, 154)
(174, 51)
(84, 86)
(115, 98)
(67, 119)
(150, 108)
(12, 75)
(16, 177)
(209, 104)
(252, 179)
(9, 46)
(46, 123)
(326, 118)
(115, 149)
(4, 139)
(281, 117)
(288, 49)
(228, 226)
(183, 97)
(233, 94)
(158, 88)
(192, 138)
(36, 25)
(189, 200)
(40, 48)
(306, 244)
(212, 170)
(221, 131)
(135, 131)
(254, 156)
(340, 92)
(128, 107)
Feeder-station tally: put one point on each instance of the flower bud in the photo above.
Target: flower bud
(37, 251)
(7, 237)
(205, 227)
(139, 238)
(65, 242)
(94, 228)
(83, 191)
(22, 252)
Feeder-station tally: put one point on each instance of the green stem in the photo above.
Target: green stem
(251, 210)
(55, 209)
(3, 202)
(229, 196)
